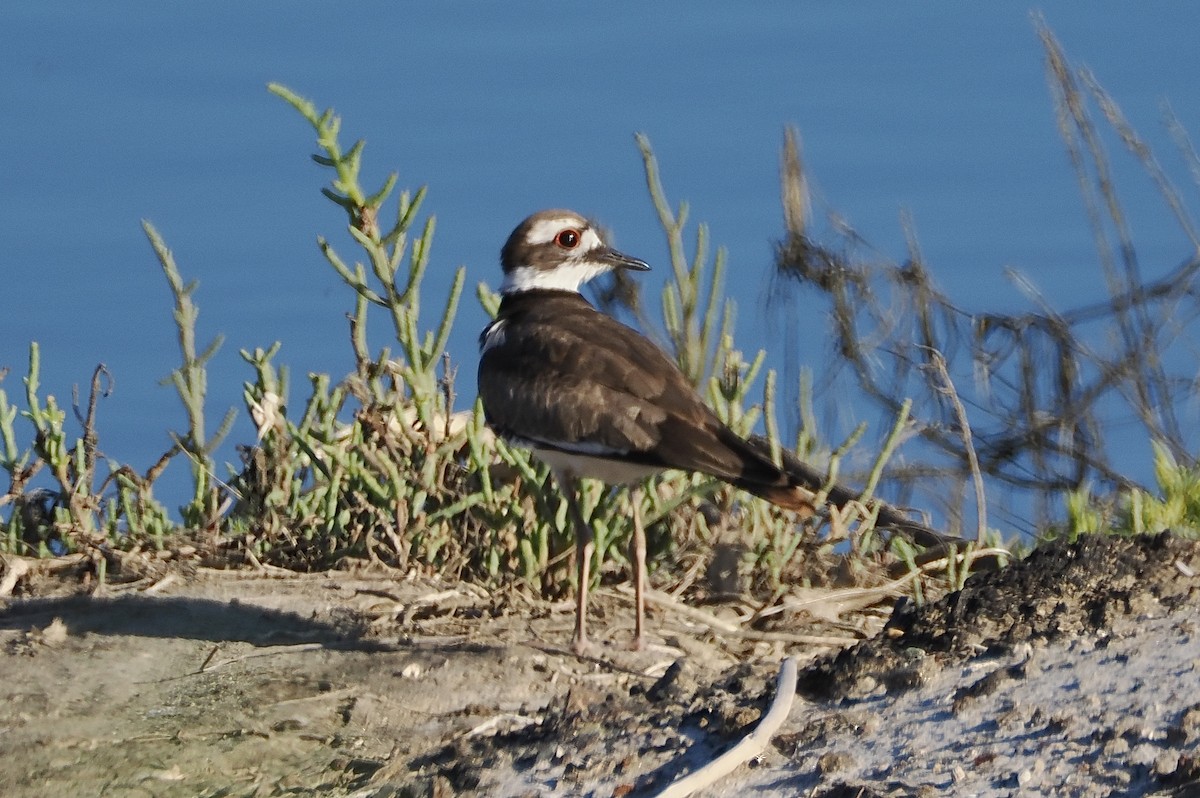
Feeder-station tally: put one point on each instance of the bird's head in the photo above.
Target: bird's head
(558, 250)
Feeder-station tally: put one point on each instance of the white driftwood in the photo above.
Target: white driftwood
(750, 746)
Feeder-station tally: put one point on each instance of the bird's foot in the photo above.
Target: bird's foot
(582, 646)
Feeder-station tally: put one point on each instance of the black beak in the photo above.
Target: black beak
(620, 260)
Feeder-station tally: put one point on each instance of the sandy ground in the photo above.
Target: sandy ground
(1075, 672)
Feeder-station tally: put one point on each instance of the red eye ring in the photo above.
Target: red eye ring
(568, 239)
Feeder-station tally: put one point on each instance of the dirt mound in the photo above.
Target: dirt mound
(1062, 589)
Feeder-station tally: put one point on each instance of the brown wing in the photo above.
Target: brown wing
(561, 374)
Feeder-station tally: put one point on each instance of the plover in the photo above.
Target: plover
(592, 397)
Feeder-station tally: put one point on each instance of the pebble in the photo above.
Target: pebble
(1144, 754)
(1189, 724)
(1033, 774)
(1166, 763)
(834, 761)
(1116, 747)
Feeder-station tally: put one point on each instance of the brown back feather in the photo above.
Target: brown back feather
(632, 397)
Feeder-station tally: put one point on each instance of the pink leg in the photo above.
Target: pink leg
(638, 554)
(584, 547)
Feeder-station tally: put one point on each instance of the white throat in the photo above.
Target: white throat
(567, 276)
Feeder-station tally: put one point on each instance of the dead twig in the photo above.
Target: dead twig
(895, 586)
(517, 722)
(731, 629)
(750, 746)
(209, 667)
(938, 364)
(17, 568)
(161, 584)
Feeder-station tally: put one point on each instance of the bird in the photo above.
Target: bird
(594, 398)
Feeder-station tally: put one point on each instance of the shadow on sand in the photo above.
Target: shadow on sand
(186, 618)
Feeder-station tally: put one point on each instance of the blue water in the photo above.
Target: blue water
(121, 111)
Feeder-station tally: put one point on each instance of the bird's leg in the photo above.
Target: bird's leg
(637, 553)
(584, 546)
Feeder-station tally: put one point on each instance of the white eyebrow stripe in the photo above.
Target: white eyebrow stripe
(543, 231)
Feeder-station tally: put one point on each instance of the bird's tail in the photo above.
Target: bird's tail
(805, 482)
(789, 497)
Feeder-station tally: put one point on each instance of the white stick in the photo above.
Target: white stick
(750, 746)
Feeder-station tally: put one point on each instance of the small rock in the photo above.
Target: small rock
(866, 685)
(834, 761)
(55, 634)
(1130, 729)
(659, 740)
(1032, 775)
(1144, 754)
(1166, 763)
(1116, 747)
(675, 683)
(1188, 728)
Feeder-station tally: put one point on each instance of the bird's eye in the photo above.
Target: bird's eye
(567, 239)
